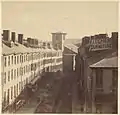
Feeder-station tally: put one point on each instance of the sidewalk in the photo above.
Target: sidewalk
(76, 107)
(28, 107)
(31, 106)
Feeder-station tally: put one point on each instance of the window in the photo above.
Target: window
(17, 89)
(14, 91)
(8, 60)
(8, 95)
(24, 58)
(24, 82)
(20, 58)
(114, 78)
(15, 60)
(99, 78)
(12, 74)
(24, 69)
(5, 60)
(8, 75)
(12, 60)
(19, 86)
(4, 98)
(11, 92)
(29, 67)
(21, 71)
(15, 74)
(5, 78)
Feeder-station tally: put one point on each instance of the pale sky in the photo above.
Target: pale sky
(77, 19)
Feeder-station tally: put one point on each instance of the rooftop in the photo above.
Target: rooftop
(19, 48)
(73, 41)
(72, 47)
(111, 62)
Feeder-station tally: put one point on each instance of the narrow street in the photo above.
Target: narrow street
(63, 101)
(60, 95)
(30, 107)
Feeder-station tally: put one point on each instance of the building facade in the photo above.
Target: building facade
(104, 86)
(69, 53)
(86, 57)
(22, 62)
(100, 42)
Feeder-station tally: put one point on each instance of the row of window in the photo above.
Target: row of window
(99, 78)
(16, 59)
(13, 73)
(47, 61)
(59, 60)
(13, 92)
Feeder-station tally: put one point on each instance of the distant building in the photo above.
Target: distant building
(100, 42)
(58, 40)
(69, 53)
(104, 86)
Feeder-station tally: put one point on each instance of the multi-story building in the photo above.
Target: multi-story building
(104, 86)
(100, 42)
(86, 57)
(24, 61)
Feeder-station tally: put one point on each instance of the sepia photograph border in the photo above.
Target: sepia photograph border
(66, 1)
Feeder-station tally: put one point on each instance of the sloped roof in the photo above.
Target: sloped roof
(106, 63)
(22, 49)
(72, 47)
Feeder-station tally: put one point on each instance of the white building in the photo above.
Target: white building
(22, 64)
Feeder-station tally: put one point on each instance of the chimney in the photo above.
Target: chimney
(32, 41)
(115, 40)
(13, 36)
(36, 42)
(20, 38)
(6, 35)
(29, 40)
(44, 45)
(48, 45)
(115, 35)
